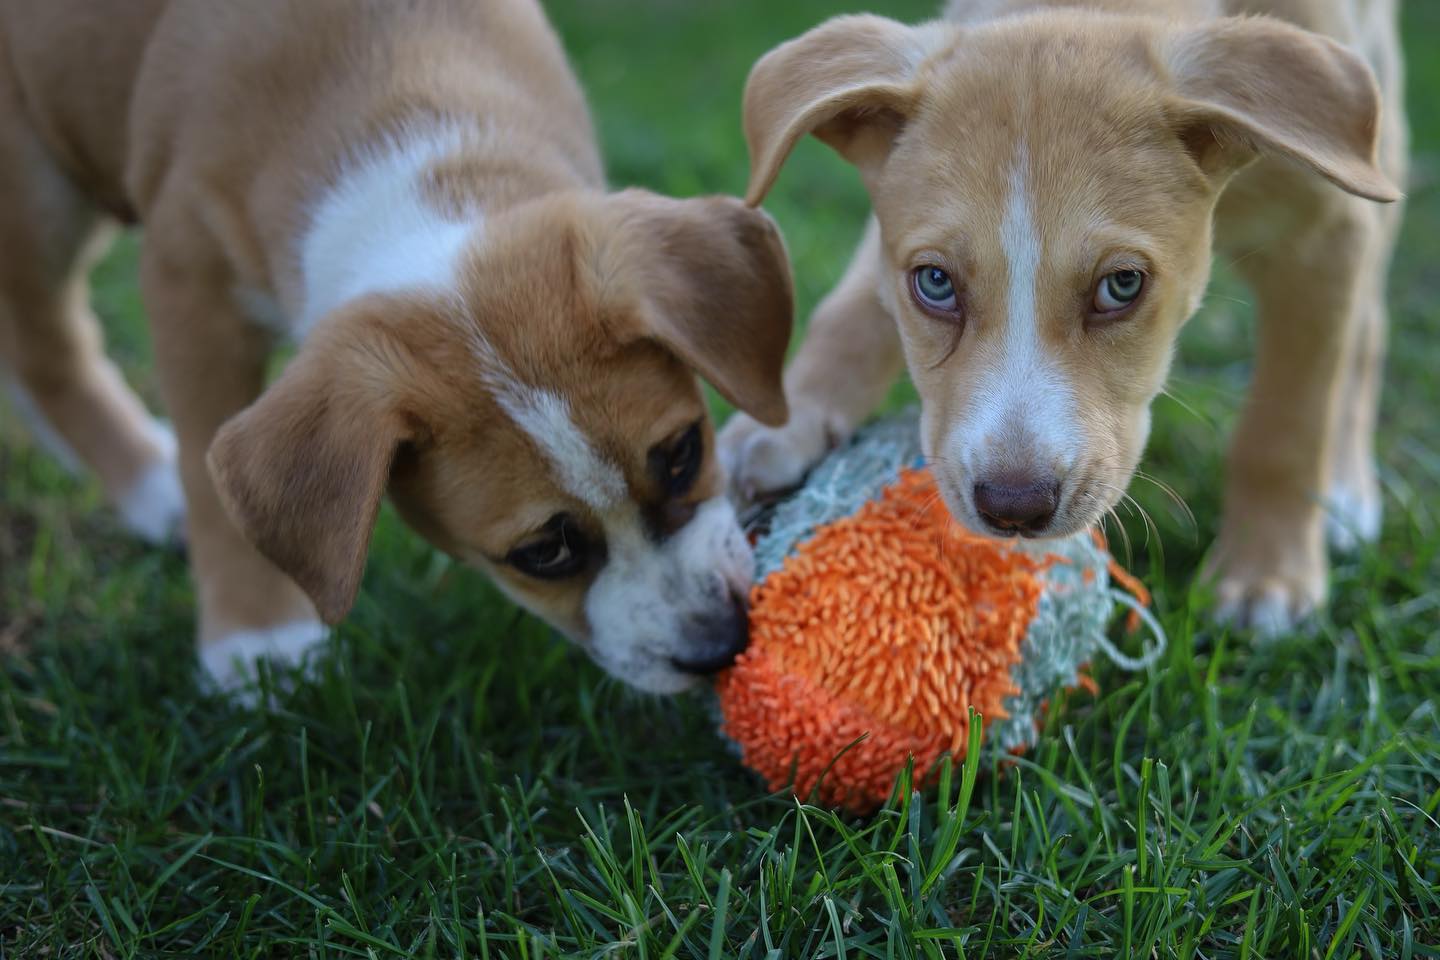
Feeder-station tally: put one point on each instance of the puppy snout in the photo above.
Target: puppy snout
(714, 643)
(1012, 504)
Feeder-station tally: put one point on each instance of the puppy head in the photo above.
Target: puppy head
(1044, 187)
(543, 422)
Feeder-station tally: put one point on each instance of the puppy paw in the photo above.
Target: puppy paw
(153, 508)
(1268, 585)
(763, 461)
(231, 661)
(1352, 511)
(1270, 608)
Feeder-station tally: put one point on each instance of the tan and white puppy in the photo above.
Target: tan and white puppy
(1044, 176)
(411, 192)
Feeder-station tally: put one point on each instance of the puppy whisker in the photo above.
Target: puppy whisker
(1137, 507)
(1184, 405)
(1111, 516)
(1178, 500)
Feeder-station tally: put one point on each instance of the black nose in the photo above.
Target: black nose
(1017, 504)
(713, 643)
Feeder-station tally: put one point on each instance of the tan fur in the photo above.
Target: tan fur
(218, 126)
(1129, 122)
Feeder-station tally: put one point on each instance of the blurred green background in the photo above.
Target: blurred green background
(454, 781)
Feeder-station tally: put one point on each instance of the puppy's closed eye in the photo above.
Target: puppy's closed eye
(677, 465)
(560, 550)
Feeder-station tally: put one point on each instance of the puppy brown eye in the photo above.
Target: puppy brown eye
(1118, 290)
(680, 465)
(933, 290)
(557, 552)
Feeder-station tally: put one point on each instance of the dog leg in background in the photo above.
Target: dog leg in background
(51, 346)
(211, 361)
(1353, 494)
(1312, 292)
(1353, 498)
(846, 364)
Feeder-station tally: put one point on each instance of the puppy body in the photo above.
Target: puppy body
(1032, 153)
(412, 193)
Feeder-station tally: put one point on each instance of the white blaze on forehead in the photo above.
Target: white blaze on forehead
(545, 417)
(579, 467)
(1021, 243)
(1021, 409)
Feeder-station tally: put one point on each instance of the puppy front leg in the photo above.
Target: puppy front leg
(1269, 560)
(849, 358)
(211, 363)
(1353, 508)
(1353, 497)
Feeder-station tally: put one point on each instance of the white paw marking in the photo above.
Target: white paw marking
(1269, 612)
(1352, 518)
(154, 506)
(763, 460)
(772, 462)
(230, 661)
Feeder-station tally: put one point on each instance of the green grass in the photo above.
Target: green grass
(456, 783)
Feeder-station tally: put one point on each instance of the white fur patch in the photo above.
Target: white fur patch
(1020, 413)
(1269, 611)
(230, 661)
(154, 506)
(375, 232)
(1021, 242)
(771, 459)
(545, 418)
(653, 602)
(1352, 517)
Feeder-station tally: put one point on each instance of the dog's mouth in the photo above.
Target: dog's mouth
(716, 639)
(668, 651)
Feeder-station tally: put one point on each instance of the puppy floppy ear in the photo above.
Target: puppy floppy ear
(849, 81)
(302, 470)
(1268, 87)
(713, 282)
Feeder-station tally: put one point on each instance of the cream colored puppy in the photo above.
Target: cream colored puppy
(412, 193)
(1044, 178)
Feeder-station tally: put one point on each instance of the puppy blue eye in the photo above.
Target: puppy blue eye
(1118, 290)
(933, 289)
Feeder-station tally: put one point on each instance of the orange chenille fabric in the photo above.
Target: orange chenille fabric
(889, 624)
